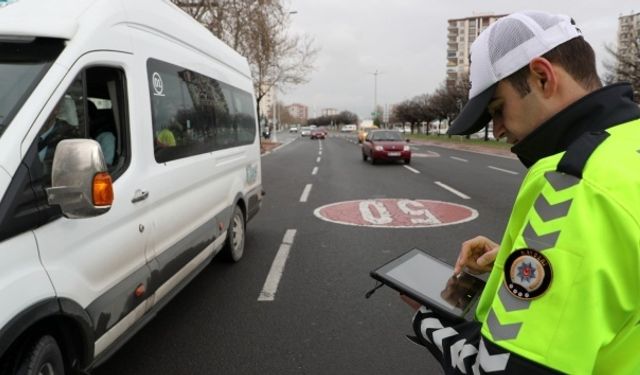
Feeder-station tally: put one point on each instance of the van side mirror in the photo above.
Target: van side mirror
(80, 183)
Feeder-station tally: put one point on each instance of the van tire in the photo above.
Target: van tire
(234, 245)
(44, 357)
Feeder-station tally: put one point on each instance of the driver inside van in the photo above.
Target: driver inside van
(61, 124)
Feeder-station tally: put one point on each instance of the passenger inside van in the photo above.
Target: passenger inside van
(102, 129)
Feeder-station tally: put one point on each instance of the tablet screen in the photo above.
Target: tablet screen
(431, 282)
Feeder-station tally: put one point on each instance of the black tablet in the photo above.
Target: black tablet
(431, 282)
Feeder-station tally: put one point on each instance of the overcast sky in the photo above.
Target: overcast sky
(406, 41)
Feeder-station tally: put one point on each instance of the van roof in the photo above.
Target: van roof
(69, 19)
(54, 19)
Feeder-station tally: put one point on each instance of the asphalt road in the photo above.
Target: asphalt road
(318, 321)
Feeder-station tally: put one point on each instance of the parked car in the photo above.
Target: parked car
(318, 134)
(96, 236)
(386, 145)
(305, 131)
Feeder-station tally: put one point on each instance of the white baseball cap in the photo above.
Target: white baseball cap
(502, 49)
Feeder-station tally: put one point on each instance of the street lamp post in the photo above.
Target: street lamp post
(375, 91)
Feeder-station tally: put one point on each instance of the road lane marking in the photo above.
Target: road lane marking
(412, 169)
(305, 193)
(502, 170)
(270, 287)
(459, 159)
(320, 152)
(454, 191)
(318, 159)
(315, 171)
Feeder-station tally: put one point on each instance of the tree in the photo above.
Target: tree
(625, 66)
(377, 116)
(344, 117)
(258, 30)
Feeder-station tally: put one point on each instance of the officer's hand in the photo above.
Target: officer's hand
(477, 255)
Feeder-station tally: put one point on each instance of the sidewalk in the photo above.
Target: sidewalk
(266, 146)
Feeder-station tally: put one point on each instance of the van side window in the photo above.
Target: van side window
(92, 107)
(195, 114)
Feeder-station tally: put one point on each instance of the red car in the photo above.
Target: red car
(385, 145)
(318, 134)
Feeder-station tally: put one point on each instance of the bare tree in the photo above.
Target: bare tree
(625, 66)
(258, 30)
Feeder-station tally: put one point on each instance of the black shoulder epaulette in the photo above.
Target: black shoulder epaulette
(578, 152)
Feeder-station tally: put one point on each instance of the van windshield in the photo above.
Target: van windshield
(23, 63)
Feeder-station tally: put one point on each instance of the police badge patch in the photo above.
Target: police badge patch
(527, 274)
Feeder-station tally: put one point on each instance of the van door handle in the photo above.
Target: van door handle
(140, 195)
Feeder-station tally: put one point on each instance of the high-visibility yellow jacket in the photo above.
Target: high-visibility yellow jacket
(588, 319)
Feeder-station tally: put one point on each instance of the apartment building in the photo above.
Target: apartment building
(298, 111)
(461, 33)
(329, 111)
(628, 41)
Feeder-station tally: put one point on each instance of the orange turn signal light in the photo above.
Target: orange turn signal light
(102, 189)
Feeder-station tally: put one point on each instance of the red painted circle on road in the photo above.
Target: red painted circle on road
(396, 213)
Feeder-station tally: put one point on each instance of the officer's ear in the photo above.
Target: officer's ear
(543, 77)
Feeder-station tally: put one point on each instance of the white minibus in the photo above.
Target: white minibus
(129, 158)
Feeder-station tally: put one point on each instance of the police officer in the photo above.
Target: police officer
(564, 290)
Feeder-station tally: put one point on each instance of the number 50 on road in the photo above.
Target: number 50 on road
(396, 213)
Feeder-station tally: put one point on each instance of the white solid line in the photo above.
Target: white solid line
(315, 171)
(270, 287)
(289, 236)
(318, 159)
(412, 169)
(454, 191)
(305, 193)
(459, 159)
(503, 170)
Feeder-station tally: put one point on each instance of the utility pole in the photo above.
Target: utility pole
(375, 90)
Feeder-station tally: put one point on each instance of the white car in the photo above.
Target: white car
(115, 191)
(305, 131)
(293, 129)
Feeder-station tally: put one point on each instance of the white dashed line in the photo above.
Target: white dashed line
(502, 170)
(459, 159)
(270, 287)
(412, 169)
(315, 171)
(320, 152)
(454, 191)
(318, 159)
(305, 193)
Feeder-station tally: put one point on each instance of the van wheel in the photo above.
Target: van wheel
(364, 156)
(43, 358)
(234, 246)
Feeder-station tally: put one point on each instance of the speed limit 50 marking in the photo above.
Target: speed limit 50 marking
(396, 213)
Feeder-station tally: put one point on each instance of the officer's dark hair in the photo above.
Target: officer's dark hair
(575, 56)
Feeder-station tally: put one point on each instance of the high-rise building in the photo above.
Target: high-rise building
(628, 42)
(461, 33)
(298, 111)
